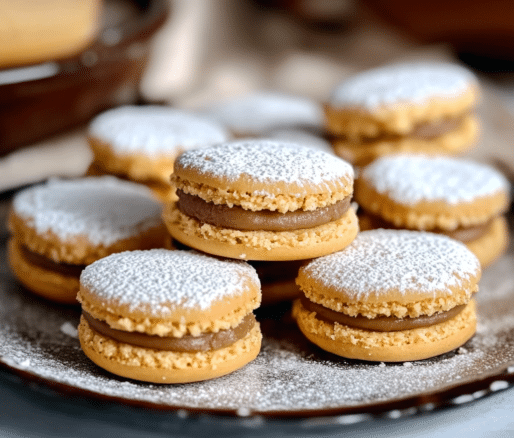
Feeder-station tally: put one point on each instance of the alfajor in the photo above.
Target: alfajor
(411, 107)
(169, 316)
(392, 296)
(262, 200)
(141, 143)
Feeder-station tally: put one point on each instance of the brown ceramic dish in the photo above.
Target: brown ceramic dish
(40, 100)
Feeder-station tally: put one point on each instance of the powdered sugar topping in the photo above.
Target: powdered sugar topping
(409, 261)
(409, 179)
(158, 280)
(103, 209)
(155, 130)
(410, 82)
(254, 114)
(268, 161)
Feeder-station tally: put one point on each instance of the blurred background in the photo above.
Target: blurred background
(193, 53)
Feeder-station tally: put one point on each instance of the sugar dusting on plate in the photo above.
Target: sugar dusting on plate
(288, 375)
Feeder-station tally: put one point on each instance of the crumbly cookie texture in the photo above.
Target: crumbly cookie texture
(134, 356)
(410, 179)
(393, 272)
(160, 291)
(161, 327)
(268, 240)
(403, 84)
(102, 210)
(367, 339)
(262, 200)
(256, 113)
(154, 130)
(362, 153)
(264, 169)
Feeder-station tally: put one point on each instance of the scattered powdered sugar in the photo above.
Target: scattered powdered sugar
(410, 261)
(268, 161)
(155, 130)
(305, 138)
(69, 329)
(289, 375)
(409, 179)
(398, 83)
(104, 209)
(254, 114)
(160, 279)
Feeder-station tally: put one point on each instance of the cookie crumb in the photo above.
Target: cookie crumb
(407, 364)
(462, 350)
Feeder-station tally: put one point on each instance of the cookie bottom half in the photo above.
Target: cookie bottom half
(400, 346)
(46, 283)
(160, 366)
(262, 245)
(451, 143)
(163, 191)
(491, 245)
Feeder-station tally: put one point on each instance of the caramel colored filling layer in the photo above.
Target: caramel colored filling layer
(466, 234)
(43, 262)
(423, 131)
(381, 323)
(428, 131)
(187, 343)
(238, 218)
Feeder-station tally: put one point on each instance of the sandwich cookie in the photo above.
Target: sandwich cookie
(169, 316)
(63, 225)
(141, 143)
(253, 115)
(392, 296)
(462, 199)
(419, 107)
(262, 200)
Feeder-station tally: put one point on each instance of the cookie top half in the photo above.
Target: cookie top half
(264, 174)
(397, 98)
(393, 272)
(77, 221)
(255, 114)
(410, 83)
(438, 191)
(154, 131)
(169, 293)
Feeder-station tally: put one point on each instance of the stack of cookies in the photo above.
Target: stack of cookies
(263, 200)
(415, 108)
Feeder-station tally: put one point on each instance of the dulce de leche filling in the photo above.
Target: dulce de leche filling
(463, 234)
(238, 218)
(428, 131)
(43, 262)
(187, 343)
(380, 323)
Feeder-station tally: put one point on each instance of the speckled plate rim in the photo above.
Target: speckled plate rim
(464, 392)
